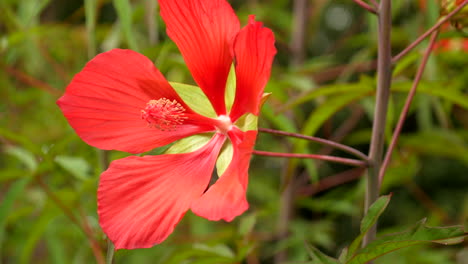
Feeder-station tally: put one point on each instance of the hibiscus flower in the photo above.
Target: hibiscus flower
(120, 101)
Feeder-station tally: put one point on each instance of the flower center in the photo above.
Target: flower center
(224, 124)
(163, 114)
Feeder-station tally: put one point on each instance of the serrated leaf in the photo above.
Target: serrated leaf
(319, 257)
(194, 97)
(26, 157)
(375, 210)
(417, 235)
(189, 144)
(76, 166)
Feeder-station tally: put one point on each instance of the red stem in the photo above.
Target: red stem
(330, 143)
(406, 107)
(366, 6)
(427, 33)
(352, 162)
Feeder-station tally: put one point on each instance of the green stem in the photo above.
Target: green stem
(384, 74)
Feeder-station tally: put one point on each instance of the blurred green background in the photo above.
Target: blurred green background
(323, 83)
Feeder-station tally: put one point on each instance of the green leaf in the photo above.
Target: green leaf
(417, 235)
(318, 257)
(90, 11)
(24, 156)
(16, 190)
(220, 250)
(124, 12)
(364, 86)
(194, 97)
(374, 212)
(225, 158)
(405, 63)
(32, 239)
(189, 144)
(76, 166)
(439, 89)
(247, 224)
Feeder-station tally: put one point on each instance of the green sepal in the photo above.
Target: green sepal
(230, 92)
(194, 97)
(265, 97)
(247, 122)
(224, 158)
(189, 144)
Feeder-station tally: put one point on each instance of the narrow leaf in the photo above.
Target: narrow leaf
(417, 235)
(375, 210)
(76, 166)
(319, 257)
(26, 157)
(124, 12)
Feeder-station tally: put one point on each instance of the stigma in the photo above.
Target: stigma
(224, 124)
(164, 114)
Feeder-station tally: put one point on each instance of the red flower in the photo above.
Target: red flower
(121, 101)
(452, 44)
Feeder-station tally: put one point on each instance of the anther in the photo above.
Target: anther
(164, 114)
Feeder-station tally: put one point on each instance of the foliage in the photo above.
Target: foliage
(298, 208)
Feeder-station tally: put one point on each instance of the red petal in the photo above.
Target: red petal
(141, 199)
(226, 198)
(254, 51)
(203, 31)
(103, 103)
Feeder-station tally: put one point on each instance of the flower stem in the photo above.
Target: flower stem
(404, 112)
(366, 6)
(352, 162)
(428, 32)
(330, 143)
(384, 74)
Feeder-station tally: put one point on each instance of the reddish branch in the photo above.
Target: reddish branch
(84, 228)
(29, 80)
(404, 112)
(351, 162)
(323, 141)
(366, 6)
(428, 32)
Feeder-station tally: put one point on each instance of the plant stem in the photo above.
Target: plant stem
(110, 252)
(330, 143)
(69, 213)
(404, 111)
(352, 162)
(366, 6)
(384, 74)
(428, 32)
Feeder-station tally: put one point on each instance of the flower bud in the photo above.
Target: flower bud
(459, 20)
